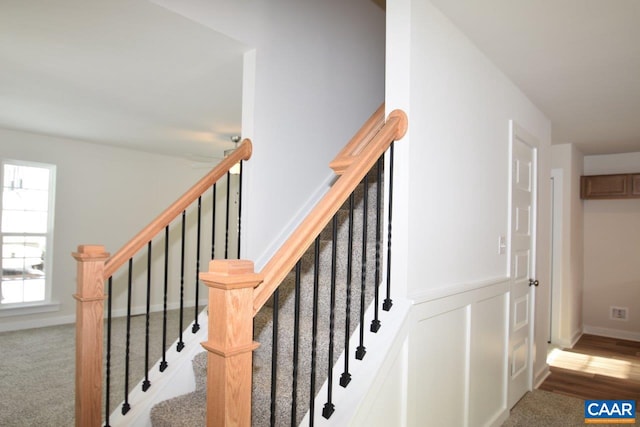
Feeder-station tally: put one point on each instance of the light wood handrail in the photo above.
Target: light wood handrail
(350, 151)
(292, 250)
(243, 152)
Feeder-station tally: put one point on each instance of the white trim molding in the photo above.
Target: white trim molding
(612, 333)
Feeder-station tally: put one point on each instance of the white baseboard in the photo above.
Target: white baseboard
(570, 342)
(612, 333)
(541, 375)
(575, 337)
(499, 419)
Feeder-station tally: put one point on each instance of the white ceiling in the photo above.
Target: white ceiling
(122, 72)
(131, 73)
(577, 60)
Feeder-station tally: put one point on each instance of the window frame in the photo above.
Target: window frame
(46, 304)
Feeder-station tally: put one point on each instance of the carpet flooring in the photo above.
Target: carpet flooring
(27, 379)
(37, 369)
(544, 409)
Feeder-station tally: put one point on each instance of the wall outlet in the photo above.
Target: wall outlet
(618, 313)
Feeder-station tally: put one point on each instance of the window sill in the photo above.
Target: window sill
(29, 308)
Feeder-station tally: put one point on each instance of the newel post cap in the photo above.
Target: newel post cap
(91, 253)
(231, 274)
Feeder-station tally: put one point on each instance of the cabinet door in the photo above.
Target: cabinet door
(635, 185)
(606, 186)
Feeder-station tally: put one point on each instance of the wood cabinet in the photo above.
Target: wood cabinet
(618, 186)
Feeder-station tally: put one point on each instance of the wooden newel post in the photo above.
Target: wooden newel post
(89, 326)
(230, 344)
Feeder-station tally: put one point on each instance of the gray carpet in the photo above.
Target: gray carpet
(37, 369)
(541, 408)
(186, 411)
(33, 364)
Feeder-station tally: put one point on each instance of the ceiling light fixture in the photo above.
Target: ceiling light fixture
(235, 169)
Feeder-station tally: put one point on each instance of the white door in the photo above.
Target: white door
(522, 262)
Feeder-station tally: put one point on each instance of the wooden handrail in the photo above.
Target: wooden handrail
(243, 152)
(292, 250)
(359, 141)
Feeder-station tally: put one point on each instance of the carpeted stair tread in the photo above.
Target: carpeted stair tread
(188, 410)
(192, 406)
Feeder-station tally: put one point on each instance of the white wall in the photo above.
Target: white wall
(611, 253)
(612, 163)
(319, 74)
(568, 268)
(104, 195)
(458, 155)
(451, 206)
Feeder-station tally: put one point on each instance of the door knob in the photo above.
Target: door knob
(533, 282)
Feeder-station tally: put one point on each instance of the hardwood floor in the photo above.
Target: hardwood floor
(596, 368)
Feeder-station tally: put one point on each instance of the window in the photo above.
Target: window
(26, 233)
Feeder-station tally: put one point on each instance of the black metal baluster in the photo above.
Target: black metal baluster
(163, 363)
(296, 336)
(107, 410)
(274, 356)
(345, 378)
(375, 323)
(180, 345)
(226, 227)
(388, 302)
(146, 383)
(314, 333)
(196, 326)
(213, 223)
(125, 406)
(239, 206)
(329, 407)
(361, 350)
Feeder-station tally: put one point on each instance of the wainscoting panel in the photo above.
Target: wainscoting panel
(458, 358)
(488, 397)
(387, 406)
(439, 354)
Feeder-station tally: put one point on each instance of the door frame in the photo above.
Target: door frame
(555, 294)
(518, 132)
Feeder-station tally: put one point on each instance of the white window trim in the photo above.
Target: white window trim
(29, 308)
(46, 305)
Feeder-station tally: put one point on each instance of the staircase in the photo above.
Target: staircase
(302, 307)
(190, 409)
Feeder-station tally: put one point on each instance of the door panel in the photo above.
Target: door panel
(520, 358)
(522, 259)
